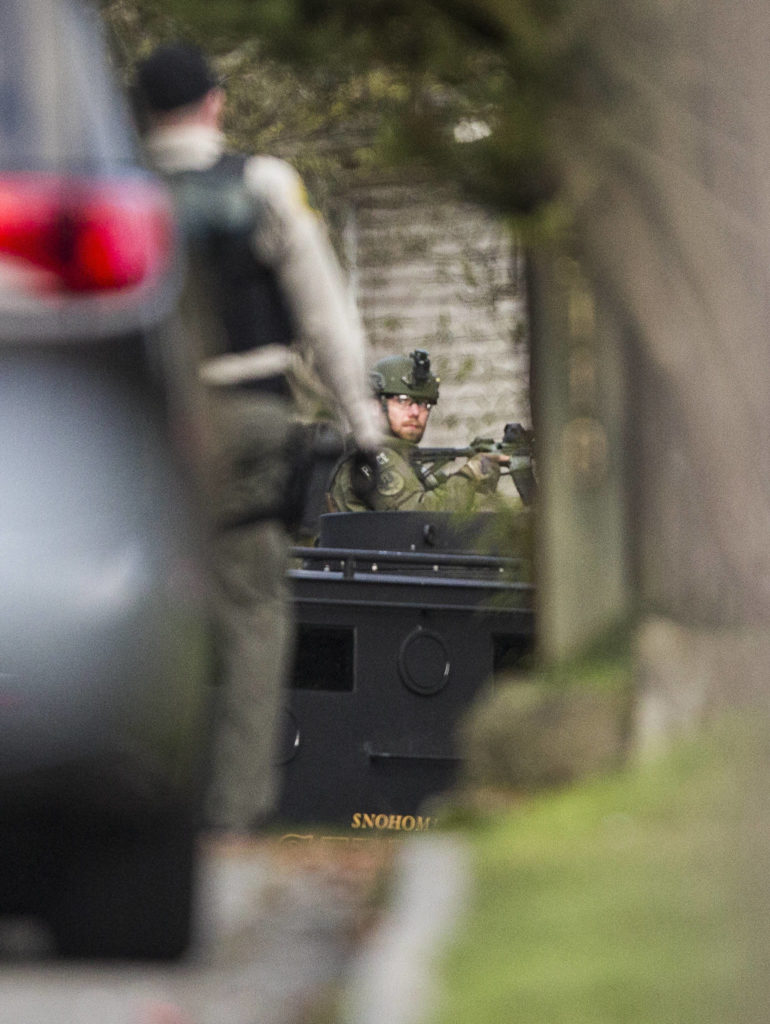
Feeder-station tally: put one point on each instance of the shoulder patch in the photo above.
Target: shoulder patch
(279, 183)
(302, 199)
(390, 482)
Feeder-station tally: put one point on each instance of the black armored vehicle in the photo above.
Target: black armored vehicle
(402, 618)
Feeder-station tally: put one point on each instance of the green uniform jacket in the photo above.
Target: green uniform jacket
(399, 487)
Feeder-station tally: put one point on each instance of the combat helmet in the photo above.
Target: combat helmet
(405, 375)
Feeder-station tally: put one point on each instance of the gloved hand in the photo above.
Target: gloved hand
(484, 470)
(364, 473)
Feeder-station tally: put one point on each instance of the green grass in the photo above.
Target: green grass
(620, 901)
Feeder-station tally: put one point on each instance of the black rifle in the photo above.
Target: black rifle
(517, 443)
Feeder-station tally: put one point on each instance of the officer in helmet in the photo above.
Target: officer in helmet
(406, 390)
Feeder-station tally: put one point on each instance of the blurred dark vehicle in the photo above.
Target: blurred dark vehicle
(106, 655)
(403, 618)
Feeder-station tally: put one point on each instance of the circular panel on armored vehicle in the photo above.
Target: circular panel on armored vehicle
(423, 662)
(290, 738)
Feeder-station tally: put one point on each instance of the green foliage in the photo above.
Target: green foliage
(326, 120)
(618, 900)
(402, 75)
(495, 97)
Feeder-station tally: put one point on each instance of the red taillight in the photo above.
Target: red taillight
(86, 235)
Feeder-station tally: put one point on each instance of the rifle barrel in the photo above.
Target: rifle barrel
(431, 454)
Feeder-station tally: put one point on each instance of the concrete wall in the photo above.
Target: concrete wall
(429, 271)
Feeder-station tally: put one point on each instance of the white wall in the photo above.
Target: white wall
(435, 273)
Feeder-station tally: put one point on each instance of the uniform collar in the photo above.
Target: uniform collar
(185, 147)
(400, 444)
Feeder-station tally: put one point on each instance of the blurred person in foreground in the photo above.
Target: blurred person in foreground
(405, 391)
(263, 266)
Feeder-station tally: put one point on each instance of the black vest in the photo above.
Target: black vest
(219, 217)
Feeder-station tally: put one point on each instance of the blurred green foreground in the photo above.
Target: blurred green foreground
(639, 898)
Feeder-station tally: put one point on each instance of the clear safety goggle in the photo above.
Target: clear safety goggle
(406, 400)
